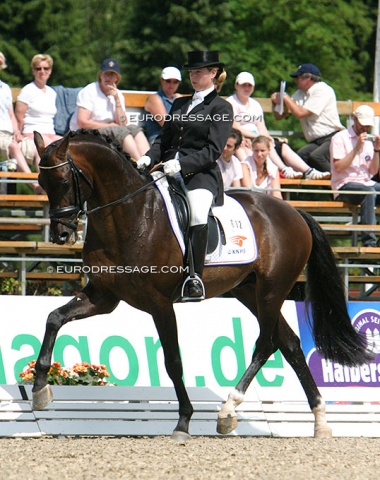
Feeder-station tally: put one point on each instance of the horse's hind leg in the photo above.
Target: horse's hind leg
(289, 344)
(87, 303)
(267, 314)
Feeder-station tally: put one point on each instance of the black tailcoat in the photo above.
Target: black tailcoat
(199, 137)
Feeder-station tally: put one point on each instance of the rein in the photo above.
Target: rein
(56, 214)
(123, 199)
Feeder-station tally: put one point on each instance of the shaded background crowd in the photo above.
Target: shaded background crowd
(265, 38)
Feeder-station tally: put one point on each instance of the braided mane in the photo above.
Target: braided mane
(104, 137)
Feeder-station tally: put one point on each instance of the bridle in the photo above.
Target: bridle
(78, 209)
(56, 214)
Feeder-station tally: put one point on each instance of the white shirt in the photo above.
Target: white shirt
(41, 108)
(231, 171)
(247, 116)
(101, 106)
(268, 181)
(320, 100)
(5, 106)
(199, 97)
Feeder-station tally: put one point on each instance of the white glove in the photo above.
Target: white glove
(143, 162)
(171, 167)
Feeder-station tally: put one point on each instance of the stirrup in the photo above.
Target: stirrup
(187, 298)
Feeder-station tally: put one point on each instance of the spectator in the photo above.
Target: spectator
(314, 104)
(190, 143)
(229, 164)
(10, 136)
(264, 173)
(35, 106)
(249, 119)
(100, 105)
(158, 105)
(354, 160)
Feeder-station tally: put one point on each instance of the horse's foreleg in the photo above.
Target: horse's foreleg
(82, 306)
(290, 347)
(166, 325)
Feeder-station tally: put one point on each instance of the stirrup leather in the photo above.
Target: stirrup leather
(187, 298)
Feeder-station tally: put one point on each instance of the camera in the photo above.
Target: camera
(371, 138)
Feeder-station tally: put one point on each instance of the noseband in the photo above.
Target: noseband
(56, 214)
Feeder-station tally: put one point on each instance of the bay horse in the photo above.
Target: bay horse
(128, 225)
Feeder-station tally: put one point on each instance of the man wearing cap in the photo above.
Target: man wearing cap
(249, 119)
(314, 104)
(158, 105)
(354, 161)
(101, 106)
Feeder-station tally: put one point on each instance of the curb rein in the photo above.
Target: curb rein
(78, 209)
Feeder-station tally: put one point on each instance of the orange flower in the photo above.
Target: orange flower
(78, 368)
(91, 374)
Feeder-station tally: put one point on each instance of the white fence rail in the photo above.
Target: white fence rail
(153, 411)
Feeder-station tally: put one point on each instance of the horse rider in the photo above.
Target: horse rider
(191, 141)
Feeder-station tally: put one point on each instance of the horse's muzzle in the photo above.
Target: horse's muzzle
(63, 232)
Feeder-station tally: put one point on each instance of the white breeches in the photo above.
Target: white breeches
(200, 201)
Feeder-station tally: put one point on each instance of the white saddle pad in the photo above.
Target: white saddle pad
(241, 246)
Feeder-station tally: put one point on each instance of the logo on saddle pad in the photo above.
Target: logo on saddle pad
(238, 240)
(240, 245)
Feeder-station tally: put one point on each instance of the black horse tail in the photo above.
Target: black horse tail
(334, 336)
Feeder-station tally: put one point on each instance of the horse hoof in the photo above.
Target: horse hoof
(226, 424)
(180, 437)
(323, 432)
(42, 398)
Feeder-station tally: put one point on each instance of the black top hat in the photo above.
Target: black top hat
(199, 59)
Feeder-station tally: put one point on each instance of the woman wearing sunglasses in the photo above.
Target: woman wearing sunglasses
(35, 106)
(159, 104)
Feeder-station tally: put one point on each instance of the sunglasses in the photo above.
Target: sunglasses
(45, 69)
(172, 81)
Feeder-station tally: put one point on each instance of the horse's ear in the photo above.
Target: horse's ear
(39, 142)
(63, 146)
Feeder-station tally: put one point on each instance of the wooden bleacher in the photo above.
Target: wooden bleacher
(20, 217)
(135, 100)
(28, 214)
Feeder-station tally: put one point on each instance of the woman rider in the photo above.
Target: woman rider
(191, 141)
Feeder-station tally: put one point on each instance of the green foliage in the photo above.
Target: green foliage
(160, 33)
(335, 35)
(10, 286)
(267, 38)
(54, 291)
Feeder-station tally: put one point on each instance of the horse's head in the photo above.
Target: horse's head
(62, 181)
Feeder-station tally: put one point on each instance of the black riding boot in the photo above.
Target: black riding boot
(193, 289)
